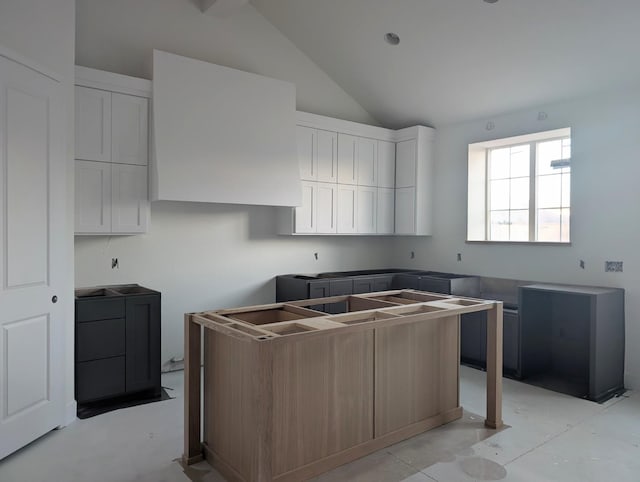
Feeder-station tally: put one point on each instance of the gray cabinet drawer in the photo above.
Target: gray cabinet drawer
(100, 339)
(99, 309)
(100, 379)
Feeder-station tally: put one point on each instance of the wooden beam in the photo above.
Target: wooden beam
(192, 357)
(494, 367)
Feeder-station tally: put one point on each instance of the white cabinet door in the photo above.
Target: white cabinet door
(93, 124)
(92, 197)
(366, 204)
(327, 155)
(347, 159)
(305, 215)
(406, 163)
(347, 208)
(326, 208)
(405, 210)
(129, 199)
(367, 162)
(33, 260)
(385, 212)
(386, 164)
(306, 140)
(129, 126)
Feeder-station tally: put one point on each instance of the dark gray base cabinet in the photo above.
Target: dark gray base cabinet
(117, 342)
(573, 339)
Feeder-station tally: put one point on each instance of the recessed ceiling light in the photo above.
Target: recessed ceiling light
(392, 38)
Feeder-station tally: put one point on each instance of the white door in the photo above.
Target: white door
(129, 126)
(367, 205)
(327, 156)
(93, 197)
(347, 222)
(326, 207)
(32, 251)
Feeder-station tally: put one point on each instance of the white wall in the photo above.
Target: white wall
(119, 35)
(605, 132)
(44, 32)
(205, 256)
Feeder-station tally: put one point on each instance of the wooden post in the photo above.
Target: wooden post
(494, 367)
(192, 358)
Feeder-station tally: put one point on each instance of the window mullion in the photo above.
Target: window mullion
(487, 194)
(532, 191)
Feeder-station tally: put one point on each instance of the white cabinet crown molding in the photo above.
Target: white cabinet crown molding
(100, 79)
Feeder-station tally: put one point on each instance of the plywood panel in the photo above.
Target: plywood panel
(229, 418)
(323, 394)
(416, 372)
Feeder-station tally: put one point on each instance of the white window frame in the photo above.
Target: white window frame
(478, 185)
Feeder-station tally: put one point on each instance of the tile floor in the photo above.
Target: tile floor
(552, 437)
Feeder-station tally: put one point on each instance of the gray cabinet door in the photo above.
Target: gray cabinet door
(319, 289)
(339, 287)
(143, 343)
(363, 285)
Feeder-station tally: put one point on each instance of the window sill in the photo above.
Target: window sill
(518, 243)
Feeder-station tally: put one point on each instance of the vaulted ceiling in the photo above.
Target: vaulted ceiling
(464, 59)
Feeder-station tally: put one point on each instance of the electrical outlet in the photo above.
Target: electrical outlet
(114, 263)
(459, 257)
(582, 263)
(413, 254)
(613, 266)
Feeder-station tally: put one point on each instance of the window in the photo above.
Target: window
(519, 188)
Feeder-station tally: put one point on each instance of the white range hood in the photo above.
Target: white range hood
(222, 135)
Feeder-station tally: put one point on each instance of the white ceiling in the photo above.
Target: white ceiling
(464, 59)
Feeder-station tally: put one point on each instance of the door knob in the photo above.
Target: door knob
(54, 299)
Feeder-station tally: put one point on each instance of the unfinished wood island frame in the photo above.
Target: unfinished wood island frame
(291, 392)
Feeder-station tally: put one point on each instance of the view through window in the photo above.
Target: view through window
(526, 189)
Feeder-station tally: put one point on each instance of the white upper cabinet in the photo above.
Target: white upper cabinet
(347, 209)
(386, 164)
(385, 210)
(327, 208)
(112, 139)
(93, 124)
(306, 141)
(305, 215)
(129, 199)
(414, 181)
(406, 163)
(405, 210)
(92, 197)
(367, 206)
(347, 159)
(327, 155)
(367, 162)
(383, 184)
(129, 129)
